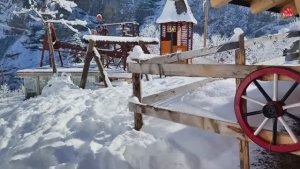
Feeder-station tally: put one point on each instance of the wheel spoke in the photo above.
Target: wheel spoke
(288, 129)
(262, 91)
(291, 106)
(261, 126)
(274, 138)
(292, 116)
(275, 87)
(289, 92)
(253, 100)
(252, 113)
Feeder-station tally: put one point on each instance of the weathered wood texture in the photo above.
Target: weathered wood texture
(87, 62)
(51, 48)
(258, 6)
(297, 4)
(205, 31)
(202, 70)
(240, 59)
(100, 66)
(137, 92)
(176, 57)
(218, 3)
(214, 125)
(176, 91)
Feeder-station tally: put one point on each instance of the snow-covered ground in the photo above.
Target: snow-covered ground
(70, 128)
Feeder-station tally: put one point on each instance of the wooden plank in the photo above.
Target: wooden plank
(137, 92)
(258, 6)
(176, 91)
(218, 126)
(51, 48)
(175, 57)
(87, 61)
(100, 65)
(297, 4)
(202, 70)
(218, 3)
(240, 59)
(205, 31)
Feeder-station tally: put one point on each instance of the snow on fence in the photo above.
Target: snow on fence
(162, 65)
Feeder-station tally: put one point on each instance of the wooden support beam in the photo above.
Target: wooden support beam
(202, 70)
(176, 57)
(137, 92)
(87, 61)
(258, 6)
(176, 91)
(219, 126)
(100, 66)
(51, 48)
(219, 3)
(297, 4)
(240, 59)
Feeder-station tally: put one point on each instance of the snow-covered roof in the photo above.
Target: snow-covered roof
(176, 11)
(120, 39)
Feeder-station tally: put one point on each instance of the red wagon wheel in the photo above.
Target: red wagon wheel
(271, 109)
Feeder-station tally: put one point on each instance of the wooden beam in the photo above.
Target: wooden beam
(176, 57)
(258, 6)
(100, 66)
(240, 59)
(176, 91)
(137, 92)
(297, 4)
(202, 70)
(219, 126)
(87, 61)
(219, 3)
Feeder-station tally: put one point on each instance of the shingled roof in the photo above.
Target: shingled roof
(176, 11)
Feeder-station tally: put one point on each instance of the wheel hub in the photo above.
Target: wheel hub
(273, 110)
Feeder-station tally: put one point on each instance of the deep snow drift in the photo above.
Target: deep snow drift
(70, 128)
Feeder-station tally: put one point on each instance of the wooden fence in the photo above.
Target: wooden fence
(162, 65)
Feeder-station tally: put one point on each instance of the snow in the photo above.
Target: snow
(236, 34)
(67, 127)
(119, 39)
(65, 4)
(169, 14)
(137, 53)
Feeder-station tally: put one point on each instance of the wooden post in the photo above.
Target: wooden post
(87, 61)
(137, 88)
(240, 59)
(205, 23)
(100, 65)
(51, 48)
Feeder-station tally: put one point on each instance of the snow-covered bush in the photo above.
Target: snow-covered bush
(6, 92)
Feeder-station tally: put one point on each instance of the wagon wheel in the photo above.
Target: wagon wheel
(272, 110)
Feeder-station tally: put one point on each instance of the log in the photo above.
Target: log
(219, 3)
(240, 59)
(137, 92)
(100, 66)
(203, 70)
(258, 6)
(219, 126)
(297, 4)
(87, 61)
(176, 91)
(51, 48)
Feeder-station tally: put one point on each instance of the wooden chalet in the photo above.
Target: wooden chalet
(176, 27)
